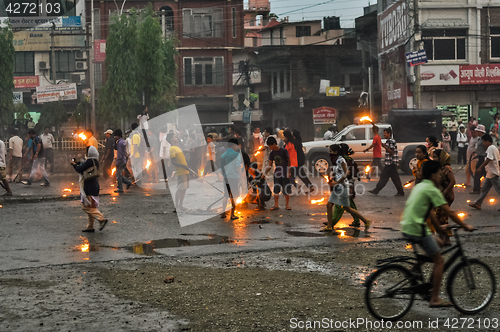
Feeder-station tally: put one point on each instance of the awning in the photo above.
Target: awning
(445, 23)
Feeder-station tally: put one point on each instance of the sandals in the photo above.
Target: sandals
(103, 224)
(475, 206)
(88, 230)
(289, 208)
(274, 208)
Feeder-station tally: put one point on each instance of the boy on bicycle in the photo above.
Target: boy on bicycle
(425, 197)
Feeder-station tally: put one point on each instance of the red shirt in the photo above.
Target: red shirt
(377, 146)
(292, 153)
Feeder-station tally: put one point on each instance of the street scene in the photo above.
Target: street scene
(257, 165)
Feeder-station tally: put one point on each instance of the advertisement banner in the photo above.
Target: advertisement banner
(439, 75)
(460, 75)
(480, 74)
(100, 50)
(393, 26)
(58, 92)
(18, 97)
(416, 58)
(26, 82)
(28, 41)
(41, 21)
(324, 115)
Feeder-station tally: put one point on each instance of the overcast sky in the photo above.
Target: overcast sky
(297, 10)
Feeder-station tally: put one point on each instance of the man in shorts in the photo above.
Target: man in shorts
(425, 197)
(281, 159)
(181, 170)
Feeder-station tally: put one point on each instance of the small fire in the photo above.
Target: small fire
(85, 247)
(67, 190)
(114, 198)
(482, 178)
(468, 201)
(112, 185)
(492, 200)
(407, 184)
(208, 154)
(256, 153)
(367, 169)
(82, 136)
(461, 214)
(459, 185)
(148, 163)
(326, 178)
(113, 171)
(72, 184)
(408, 246)
(64, 195)
(342, 233)
(239, 200)
(1, 206)
(317, 201)
(365, 118)
(201, 172)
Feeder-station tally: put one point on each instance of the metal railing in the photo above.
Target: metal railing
(69, 145)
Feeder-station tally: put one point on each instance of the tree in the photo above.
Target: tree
(138, 60)
(22, 111)
(53, 114)
(7, 54)
(79, 114)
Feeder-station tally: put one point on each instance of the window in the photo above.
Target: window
(233, 16)
(204, 71)
(302, 31)
(282, 41)
(280, 83)
(271, 36)
(356, 134)
(24, 64)
(445, 44)
(495, 42)
(97, 25)
(166, 21)
(65, 65)
(203, 22)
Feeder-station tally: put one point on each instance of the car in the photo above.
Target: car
(358, 137)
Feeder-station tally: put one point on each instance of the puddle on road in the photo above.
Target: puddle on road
(261, 222)
(304, 234)
(148, 248)
(341, 233)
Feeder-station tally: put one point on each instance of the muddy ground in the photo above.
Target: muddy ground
(250, 291)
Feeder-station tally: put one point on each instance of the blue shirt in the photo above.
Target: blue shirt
(121, 156)
(231, 164)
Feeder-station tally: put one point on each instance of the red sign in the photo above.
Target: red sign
(480, 74)
(26, 81)
(99, 50)
(324, 114)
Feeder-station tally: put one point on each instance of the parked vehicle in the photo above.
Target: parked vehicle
(409, 128)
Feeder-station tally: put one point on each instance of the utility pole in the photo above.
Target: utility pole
(92, 71)
(246, 72)
(417, 38)
(53, 51)
(370, 90)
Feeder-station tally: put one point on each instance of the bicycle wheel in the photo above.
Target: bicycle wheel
(388, 292)
(471, 290)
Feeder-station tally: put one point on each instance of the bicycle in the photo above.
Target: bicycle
(391, 289)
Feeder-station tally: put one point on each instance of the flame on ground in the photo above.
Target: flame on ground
(317, 201)
(85, 247)
(468, 201)
(256, 153)
(113, 171)
(82, 136)
(64, 195)
(148, 164)
(326, 178)
(459, 185)
(407, 185)
(342, 233)
(367, 169)
(461, 214)
(67, 190)
(408, 246)
(365, 118)
(239, 200)
(492, 200)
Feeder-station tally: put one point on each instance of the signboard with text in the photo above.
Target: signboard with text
(460, 75)
(393, 26)
(18, 97)
(21, 82)
(58, 92)
(99, 50)
(324, 115)
(27, 41)
(416, 58)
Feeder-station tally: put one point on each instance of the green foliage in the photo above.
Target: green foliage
(138, 59)
(7, 54)
(53, 114)
(81, 109)
(22, 111)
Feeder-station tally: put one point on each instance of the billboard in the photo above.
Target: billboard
(27, 41)
(394, 82)
(324, 115)
(460, 74)
(57, 92)
(393, 26)
(21, 82)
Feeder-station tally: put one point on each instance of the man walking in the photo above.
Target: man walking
(109, 154)
(91, 140)
(391, 165)
(377, 151)
(48, 143)
(15, 154)
(231, 162)
(181, 170)
(492, 170)
(121, 160)
(462, 145)
(3, 172)
(38, 159)
(480, 155)
(471, 152)
(452, 129)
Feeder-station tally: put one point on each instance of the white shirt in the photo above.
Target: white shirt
(16, 144)
(47, 141)
(328, 135)
(492, 167)
(452, 125)
(2, 154)
(143, 118)
(129, 144)
(461, 140)
(211, 151)
(165, 148)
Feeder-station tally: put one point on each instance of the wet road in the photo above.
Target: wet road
(142, 223)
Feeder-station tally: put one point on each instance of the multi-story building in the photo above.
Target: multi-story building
(208, 32)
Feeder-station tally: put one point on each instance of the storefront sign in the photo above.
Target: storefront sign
(322, 115)
(439, 75)
(416, 58)
(41, 21)
(18, 97)
(26, 82)
(460, 75)
(480, 74)
(26, 41)
(393, 27)
(56, 93)
(100, 50)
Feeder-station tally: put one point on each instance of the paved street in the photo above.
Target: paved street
(41, 237)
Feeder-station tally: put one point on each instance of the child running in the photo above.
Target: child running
(340, 189)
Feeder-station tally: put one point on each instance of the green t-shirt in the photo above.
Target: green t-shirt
(422, 198)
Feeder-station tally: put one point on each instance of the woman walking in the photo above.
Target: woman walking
(89, 190)
(340, 189)
(422, 156)
(301, 171)
(445, 135)
(292, 152)
(432, 144)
